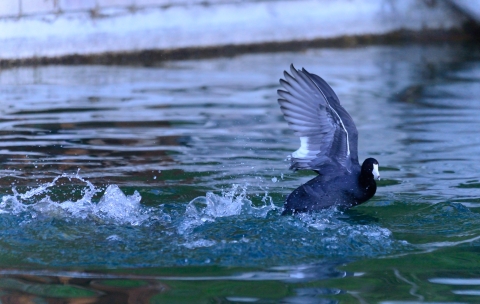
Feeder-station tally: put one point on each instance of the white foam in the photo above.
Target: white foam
(113, 238)
(114, 205)
(199, 243)
(230, 203)
(342, 237)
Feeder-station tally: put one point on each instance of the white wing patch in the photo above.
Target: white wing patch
(303, 150)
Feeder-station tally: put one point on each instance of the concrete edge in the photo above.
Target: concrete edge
(158, 56)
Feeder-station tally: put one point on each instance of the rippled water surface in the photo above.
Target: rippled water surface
(165, 183)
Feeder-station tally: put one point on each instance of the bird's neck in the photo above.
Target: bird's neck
(367, 180)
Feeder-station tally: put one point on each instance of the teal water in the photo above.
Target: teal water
(165, 184)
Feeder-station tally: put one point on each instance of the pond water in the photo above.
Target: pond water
(165, 184)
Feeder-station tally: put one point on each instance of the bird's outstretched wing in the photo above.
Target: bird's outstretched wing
(328, 136)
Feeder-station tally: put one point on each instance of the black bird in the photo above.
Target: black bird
(328, 145)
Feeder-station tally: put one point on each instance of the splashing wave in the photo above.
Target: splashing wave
(232, 202)
(215, 228)
(114, 205)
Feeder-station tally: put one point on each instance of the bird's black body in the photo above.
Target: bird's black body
(329, 142)
(344, 191)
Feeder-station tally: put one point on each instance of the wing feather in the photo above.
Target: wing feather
(313, 112)
(333, 100)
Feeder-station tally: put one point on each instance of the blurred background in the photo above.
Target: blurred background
(115, 31)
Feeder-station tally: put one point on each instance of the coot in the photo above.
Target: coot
(328, 145)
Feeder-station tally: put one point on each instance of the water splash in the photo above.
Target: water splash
(216, 227)
(230, 203)
(211, 208)
(342, 237)
(114, 205)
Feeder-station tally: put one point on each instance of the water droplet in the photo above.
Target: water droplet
(154, 177)
(114, 237)
(274, 179)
